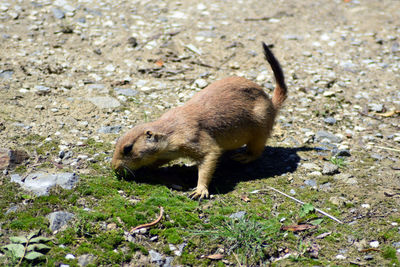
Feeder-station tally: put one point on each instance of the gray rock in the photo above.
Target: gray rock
(321, 135)
(42, 90)
(310, 166)
(81, 20)
(68, 155)
(395, 47)
(326, 187)
(97, 87)
(58, 13)
(125, 91)
(85, 259)
(377, 156)
(330, 169)
(6, 74)
(155, 257)
(368, 257)
(396, 244)
(238, 215)
(12, 209)
(110, 129)
(330, 120)
(207, 34)
(59, 219)
(168, 262)
(104, 102)
(292, 37)
(311, 183)
(200, 83)
(40, 183)
(376, 107)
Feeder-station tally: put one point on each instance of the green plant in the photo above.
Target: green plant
(306, 209)
(307, 213)
(338, 162)
(30, 247)
(246, 237)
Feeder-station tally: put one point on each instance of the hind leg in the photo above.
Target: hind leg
(254, 149)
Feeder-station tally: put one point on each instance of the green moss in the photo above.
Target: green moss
(389, 253)
(190, 259)
(85, 248)
(137, 247)
(20, 169)
(26, 222)
(109, 240)
(172, 235)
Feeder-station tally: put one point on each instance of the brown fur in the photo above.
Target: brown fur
(225, 115)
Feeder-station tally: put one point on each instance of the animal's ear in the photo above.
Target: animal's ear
(152, 136)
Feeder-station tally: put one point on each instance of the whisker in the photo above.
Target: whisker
(126, 168)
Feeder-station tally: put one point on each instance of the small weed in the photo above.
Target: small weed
(338, 162)
(390, 254)
(246, 237)
(30, 247)
(306, 209)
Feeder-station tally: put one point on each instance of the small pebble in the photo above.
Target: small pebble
(330, 169)
(200, 83)
(330, 120)
(340, 257)
(374, 244)
(69, 257)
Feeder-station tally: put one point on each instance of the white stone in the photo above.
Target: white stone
(201, 83)
(69, 257)
(374, 244)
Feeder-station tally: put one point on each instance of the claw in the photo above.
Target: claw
(199, 193)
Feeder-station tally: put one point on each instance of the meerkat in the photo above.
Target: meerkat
(226, 115)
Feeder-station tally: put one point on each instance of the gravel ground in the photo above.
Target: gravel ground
(73, 71)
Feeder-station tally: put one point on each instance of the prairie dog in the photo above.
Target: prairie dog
(225, 115)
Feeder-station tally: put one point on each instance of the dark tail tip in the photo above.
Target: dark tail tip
(280, 91)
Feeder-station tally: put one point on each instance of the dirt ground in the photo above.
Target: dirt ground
(70, 68)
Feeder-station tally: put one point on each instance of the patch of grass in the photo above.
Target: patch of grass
(109, 240)
(245, 237)
(389, 253)
(25, 221)
(172, 235)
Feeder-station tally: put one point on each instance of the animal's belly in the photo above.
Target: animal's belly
(234, 139)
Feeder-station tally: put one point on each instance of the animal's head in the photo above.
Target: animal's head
(139, 147)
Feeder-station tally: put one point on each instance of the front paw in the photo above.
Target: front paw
(199, 193)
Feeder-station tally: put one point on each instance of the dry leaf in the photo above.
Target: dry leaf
(389, 113)
(159, 63)
(298, 228)
(215, 256)
(370, 249)
(323, 235)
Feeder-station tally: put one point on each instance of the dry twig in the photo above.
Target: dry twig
(301, 202)
(147, 225)
(388, 148)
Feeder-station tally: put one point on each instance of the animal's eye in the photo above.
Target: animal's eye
(127, 149)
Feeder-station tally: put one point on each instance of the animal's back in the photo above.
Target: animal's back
(232, 110)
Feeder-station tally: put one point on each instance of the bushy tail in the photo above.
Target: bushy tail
(280, 91)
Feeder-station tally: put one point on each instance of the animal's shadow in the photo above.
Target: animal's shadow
(275, 161)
